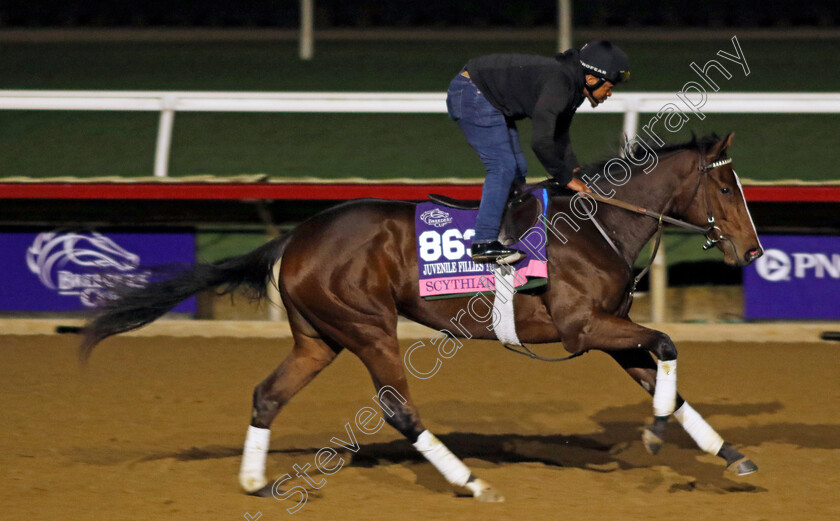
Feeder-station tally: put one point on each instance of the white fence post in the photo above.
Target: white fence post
(164, 137)
(307, 20)
(564, 25)
(631, 121)
(276, 311)
(658, 285)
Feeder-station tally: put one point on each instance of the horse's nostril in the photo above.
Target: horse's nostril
(753, 254)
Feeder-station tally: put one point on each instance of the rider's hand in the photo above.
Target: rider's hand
(578, 186)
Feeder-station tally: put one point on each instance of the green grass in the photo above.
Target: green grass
(213, 247)
(374, 146)
(41, 144)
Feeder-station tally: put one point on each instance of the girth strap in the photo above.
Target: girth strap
(530, 354)
(505, 329)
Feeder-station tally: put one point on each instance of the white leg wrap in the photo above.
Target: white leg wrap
(252, 469)
(701, 432)
(438, 455)
(665, 394)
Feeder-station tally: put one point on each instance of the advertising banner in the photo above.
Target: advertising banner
(64, 270)
(798, 277)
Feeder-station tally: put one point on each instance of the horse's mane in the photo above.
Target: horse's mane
(700, 144)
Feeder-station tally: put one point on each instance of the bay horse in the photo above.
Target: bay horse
(349, 272)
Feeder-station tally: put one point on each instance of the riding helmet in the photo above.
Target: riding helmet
(604, 60)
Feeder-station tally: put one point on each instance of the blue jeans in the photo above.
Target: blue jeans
(495, 139)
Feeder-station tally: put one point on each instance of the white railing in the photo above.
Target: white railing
(631, 104)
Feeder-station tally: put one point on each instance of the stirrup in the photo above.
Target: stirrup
(496, 253)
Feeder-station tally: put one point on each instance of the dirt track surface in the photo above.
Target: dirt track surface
(153, 429)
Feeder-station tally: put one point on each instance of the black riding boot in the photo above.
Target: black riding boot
(495, 252)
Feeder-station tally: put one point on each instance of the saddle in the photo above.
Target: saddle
(522, 211)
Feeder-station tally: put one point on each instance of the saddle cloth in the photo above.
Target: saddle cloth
(443, 237)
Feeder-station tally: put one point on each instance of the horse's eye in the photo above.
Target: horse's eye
(724, 190)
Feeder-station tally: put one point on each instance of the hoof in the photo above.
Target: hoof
(482, 491)
(253, 484)
(742, 467)
(652, 442)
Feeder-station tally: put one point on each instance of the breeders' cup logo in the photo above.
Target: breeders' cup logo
(774, 265)
(82, 264)
(436, 217)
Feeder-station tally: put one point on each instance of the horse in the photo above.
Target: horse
(349, 272)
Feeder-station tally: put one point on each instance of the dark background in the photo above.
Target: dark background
(403, 13)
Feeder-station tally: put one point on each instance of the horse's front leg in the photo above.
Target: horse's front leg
(642, 368)
(609, 333)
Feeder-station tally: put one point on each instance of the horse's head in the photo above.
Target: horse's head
(715, 200)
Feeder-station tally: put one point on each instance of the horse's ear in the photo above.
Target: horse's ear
(717, 149)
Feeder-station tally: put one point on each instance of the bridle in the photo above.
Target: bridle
(704, 170)
(712, 231)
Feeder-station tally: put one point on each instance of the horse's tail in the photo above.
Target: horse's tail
(134, 307)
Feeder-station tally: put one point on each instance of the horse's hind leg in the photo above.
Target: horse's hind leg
(310, 354)
(641, 367)
(385, 366)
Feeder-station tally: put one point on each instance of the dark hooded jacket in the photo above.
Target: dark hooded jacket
(547, 90)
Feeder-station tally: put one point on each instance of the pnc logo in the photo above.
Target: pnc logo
(777, 265)
(774, 265)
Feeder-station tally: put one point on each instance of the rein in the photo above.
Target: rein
(650, 213)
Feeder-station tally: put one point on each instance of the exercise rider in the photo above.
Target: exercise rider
(492, 92)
